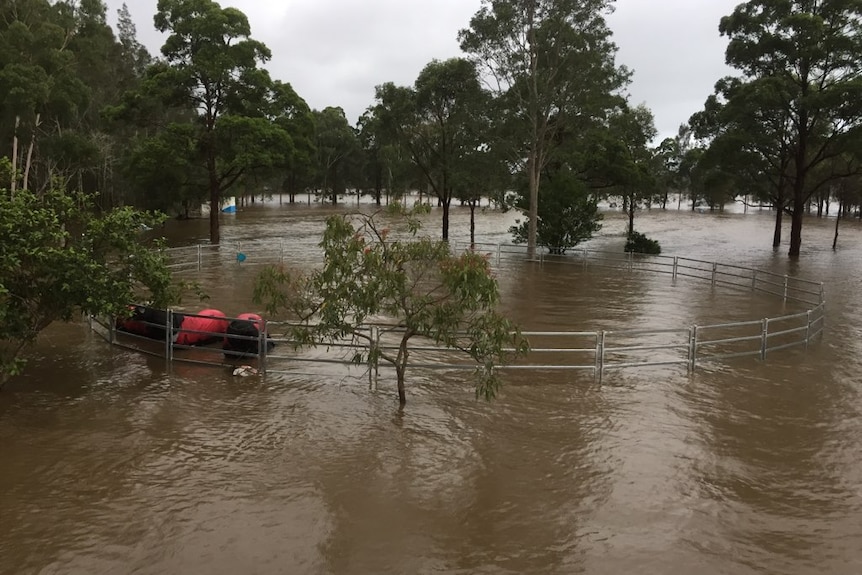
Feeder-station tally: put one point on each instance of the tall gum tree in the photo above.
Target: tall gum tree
(552, 63)
(626, 162)
(336, 143)
(40, 88)
(213, 65)
(438, 121)
(449, 102)
(800, 84)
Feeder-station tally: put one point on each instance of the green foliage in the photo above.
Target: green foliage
(373, 275)
(623, 159)
(640, 244)
(568, 214)
(553, 63)
(211, 81)
(58, 260)
(440, 123)
(5, 171)
(336, 144)
(797, 104)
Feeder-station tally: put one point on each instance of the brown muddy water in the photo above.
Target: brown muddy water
(111, 463)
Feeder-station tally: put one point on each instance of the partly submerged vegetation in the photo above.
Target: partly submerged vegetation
(93, 128)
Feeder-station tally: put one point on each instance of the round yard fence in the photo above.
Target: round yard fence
(597, 353)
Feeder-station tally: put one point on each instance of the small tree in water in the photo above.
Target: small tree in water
(415, 284)
(59, 259)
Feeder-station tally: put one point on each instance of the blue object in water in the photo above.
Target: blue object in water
(229, 209)
(240, 257)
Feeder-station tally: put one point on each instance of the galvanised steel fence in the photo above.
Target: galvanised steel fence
(595, 352)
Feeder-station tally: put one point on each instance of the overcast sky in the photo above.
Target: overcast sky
(334, 52)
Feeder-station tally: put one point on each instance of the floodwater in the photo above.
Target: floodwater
(109, 463)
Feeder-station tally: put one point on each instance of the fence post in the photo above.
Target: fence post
(600, 356)
(785, 287)
(675, 267)
(372, 334)
(376, 366)
(754, 280)
(261, 355)
(200, 258)
(631, 260)
(764, 338)
(169, 335)
(821, 293)
(714, 270)
(692, 347)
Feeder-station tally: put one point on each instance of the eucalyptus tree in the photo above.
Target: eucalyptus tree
(213, 68)
(749, 139)
(481, 173)
(552, 64)
(292, 114)
(336, 144)
(40, 88)
(567, 212)
(668, 157)
(387, 165)
(798, 98)
(375, 269)
(633, 170)
(373, 172)
(133, 54)
(438, 121)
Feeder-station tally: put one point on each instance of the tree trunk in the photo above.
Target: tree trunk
(632, 205)
(29, 161)
(215, 201)
(473, 224)
(402, 394)
(837, 220)
(445, 205)
(796, 227)
(15, 156)
(776, 235)
(535, 154)
(401, 368)
(532, 225)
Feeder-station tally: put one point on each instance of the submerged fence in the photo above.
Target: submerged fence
(595, 352)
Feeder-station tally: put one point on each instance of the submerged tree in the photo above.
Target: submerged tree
(798, 102)
(212, 69)
(551, 63)
(58, 260)
(568, 213)
(623, 159)
(336, 144)
(414, 286)
(439, 122)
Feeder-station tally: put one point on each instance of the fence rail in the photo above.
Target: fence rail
(590, 351)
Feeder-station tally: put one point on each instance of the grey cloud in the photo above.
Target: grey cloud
(334, 52)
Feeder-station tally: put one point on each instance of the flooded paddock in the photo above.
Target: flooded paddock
(112, 463)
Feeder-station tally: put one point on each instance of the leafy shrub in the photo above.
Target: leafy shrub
(640, 244)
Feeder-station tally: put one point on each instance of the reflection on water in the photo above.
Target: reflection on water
(113, 464)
